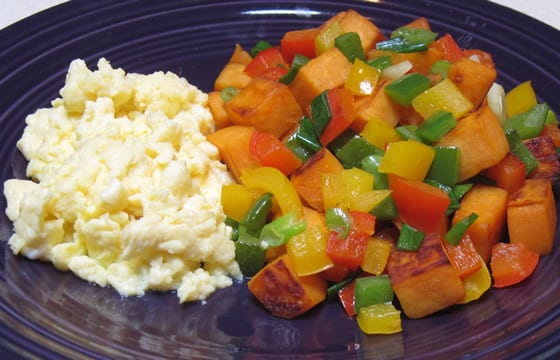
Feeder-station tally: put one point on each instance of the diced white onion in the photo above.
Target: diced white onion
(397, 70)
(475, 57)
(497, 101)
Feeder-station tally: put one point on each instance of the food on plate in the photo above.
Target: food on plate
(382, 170)
(125, 188)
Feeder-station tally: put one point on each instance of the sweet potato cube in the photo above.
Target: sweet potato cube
(472, 78)
(376, 106)
(285, 294)
(232, 75)
(489, 203)
(424, 280)
(480, 138)
(352, 21)
(216, 106)
(310, 80)
(233, 144)
(265, 104)
(308, 178)
(531, 216)
(544, 149)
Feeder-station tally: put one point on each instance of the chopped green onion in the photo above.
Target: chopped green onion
(234, 225)
(257, 215)
(519, 149)
(454, 204)
(320, 112)
(436, 126)
(333, 290)
(350, 45)
(228, 93)
(410, 239)
(307, 135)
(280, 230)
(440, 68)
(338, 220)
(461, 189)
(408, 132)
(298, 61)
(406, 88)
(380, 62)
(260, 46)
(371, 290)
(405, 40)
(456, 232)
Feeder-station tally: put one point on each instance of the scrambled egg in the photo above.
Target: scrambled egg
(127, 188)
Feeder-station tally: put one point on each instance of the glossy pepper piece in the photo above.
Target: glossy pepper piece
(350, 45)
(409, 159)
(410, 239)
(379, 133)
(443, 96)
(371, 290)
(405, 40)
(379, 319)
(406, 88)
(519, 149)
(529, 124)
(298, 42)
(377, 255)
(520, 99)
(445, 166)
(350, 148)
(326, 37)
(456, 232)
(362, 79)
(436, 126)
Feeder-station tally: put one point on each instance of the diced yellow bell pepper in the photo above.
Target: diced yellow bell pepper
(362, 78)
(410, 159)
(368, 200)
(340, 190)
(379, 319)
(356, 181)
(377, 255)
(269, 179)
(443, 96)
(236, 200)
(325, 39)
(308, 250)
(520, 99)
(379, 133)
(476, 284)
(334, 190)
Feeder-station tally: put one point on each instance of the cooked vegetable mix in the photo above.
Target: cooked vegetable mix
(382, 171)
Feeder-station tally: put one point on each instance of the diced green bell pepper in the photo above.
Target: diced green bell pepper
(350, 148)
(280, 230)
(371, 165)
(440, 68)
(445, 166)
(410, 239)
(406, 88)
(298, 61)
(436, 126)
(350, 45)
(320, 112)
(370, 290)
(529, 124)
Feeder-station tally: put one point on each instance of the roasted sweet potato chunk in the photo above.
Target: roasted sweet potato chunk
(285, 294)
(424, 280)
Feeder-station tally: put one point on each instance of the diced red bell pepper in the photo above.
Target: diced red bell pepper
(509, 173)
(270, 151)
(420, 205)
(363, 221)
(348, 252)
(336, 273)
(449, 48)
(265, 60)
(511, 263)
(346, 297)
(463, 257)
(298, 42)
(341, 104)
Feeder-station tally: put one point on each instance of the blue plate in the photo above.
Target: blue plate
(49, 314)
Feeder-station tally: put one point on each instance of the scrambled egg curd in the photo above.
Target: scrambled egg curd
(127, 188)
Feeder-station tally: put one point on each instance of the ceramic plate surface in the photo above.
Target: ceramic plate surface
(49, 314)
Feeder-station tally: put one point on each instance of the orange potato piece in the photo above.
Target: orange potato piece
(481, 140)
(424, 281)
(472, 78)
(285, 294)
(352, 21)
(265, 104)
(376, 106)
(311, 79)
(531, 216)
(216, 106)
(308, 179)
(544, 149)
(233, 144)
(489, 203)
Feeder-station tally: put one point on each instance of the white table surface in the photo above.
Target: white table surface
(547, 11)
